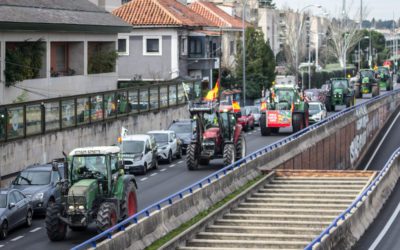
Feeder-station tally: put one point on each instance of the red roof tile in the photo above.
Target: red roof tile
(159, 13)
(216, 15)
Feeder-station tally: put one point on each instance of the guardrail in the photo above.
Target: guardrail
(21, 120)
(215, 176)
(356, 203)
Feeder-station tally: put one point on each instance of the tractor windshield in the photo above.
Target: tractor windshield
(88, 166)
(339, 84)
(383, 70)
(367, 73)
(286, 95)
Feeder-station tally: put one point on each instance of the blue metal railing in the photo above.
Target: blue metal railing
(215, 176)
(365, 193)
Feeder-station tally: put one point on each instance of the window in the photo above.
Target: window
(55, 176)
(232, 48)
(152, 46)
(114, 164)
(184, 46)
(195, 46)
(123, 46)
(19, 196)
(12, 198)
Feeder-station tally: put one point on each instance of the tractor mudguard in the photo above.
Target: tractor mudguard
(121, 184)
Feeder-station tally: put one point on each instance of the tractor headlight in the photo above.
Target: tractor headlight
(71, 208)
(81, 207)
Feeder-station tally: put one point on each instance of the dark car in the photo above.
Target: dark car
(39, 183)
(184, 130)
(15, 210)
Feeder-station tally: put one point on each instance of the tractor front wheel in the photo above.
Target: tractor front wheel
(106, 216)
(191, 157)
(240, 147)
(55, 227)
(265, 131)
(375, 91)
(129, 201)
(229, 154)
(298, 122)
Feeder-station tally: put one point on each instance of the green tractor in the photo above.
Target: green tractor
(384, 78)
(284, 108)
(366, 83)
(95, 189)
(340, 93)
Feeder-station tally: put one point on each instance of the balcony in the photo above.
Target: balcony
(102, 57)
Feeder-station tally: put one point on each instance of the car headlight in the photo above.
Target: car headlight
(38, 196)
(137, 158)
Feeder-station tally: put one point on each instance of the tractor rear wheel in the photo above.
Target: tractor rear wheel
(298, 122)
(129, 201)
(357, 91)
(106, 216)
(375, 91)
(240, 147)
(191, 157)
(229, 154)
(265, 131)
(56, 228)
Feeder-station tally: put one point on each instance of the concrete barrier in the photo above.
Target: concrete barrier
(17, 155)
(338, 144)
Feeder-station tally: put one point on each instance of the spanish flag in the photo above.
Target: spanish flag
(235, 106)
(263, 105)
(213, 94)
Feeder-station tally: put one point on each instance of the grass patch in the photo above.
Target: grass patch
(160, 242)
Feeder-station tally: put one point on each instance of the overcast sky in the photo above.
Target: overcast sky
(380, 9)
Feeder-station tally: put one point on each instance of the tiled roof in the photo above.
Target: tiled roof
(159, 13)
(216, 15)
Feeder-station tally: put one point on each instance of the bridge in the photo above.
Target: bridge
(359, 138)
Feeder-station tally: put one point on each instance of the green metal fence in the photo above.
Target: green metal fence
(40, 117)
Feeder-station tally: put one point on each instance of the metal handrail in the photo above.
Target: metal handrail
(215, 176)
(365, 193)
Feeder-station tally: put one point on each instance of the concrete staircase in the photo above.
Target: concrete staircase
(288, 212)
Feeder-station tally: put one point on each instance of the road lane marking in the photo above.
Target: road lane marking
(179, 162)
(153, 174)
(162, 170)
(36, 229)
(173, 165)
(380, 143)
(250, 133)
(143, 179)
(385, 229)
(17, 238)
(1, 246)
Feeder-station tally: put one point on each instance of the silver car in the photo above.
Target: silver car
(15, 210)
(255, 110)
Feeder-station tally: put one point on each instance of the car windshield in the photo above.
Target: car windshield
(367, 73)
(314, 106)
(181, 128)
(81, 165)
(160, 137)
(339, 84)
(33, 178)
(3, 200)
(133, 147)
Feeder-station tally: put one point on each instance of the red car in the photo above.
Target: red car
(246, 119)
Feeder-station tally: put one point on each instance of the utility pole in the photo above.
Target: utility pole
(244, 51)
(359, 42)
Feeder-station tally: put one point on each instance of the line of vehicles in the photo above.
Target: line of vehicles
(97, 184)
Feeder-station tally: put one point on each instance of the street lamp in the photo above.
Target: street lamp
(298, 39)
(244, 51)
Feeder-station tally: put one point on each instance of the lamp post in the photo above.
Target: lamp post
(244, 50)
(298, 39)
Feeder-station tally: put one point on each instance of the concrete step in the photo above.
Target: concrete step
(265, 230)
(326, 178)
(309, 191)
(288, 211)
(273, 223)
(299, 201)
(222, 248)
(248, 244)
(282, 206)
(315, 186)
(301, 195)
(280, 217)
(321, 182)
(258, 236)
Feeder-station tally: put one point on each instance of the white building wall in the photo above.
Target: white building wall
(50, 87)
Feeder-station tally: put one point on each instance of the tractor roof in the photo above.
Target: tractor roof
(100, 150)
(284, 86)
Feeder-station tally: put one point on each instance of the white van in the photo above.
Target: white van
(139, 153)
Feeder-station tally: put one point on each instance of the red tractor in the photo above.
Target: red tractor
(217, 135)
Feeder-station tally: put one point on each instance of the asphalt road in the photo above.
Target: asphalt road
(152, 187)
